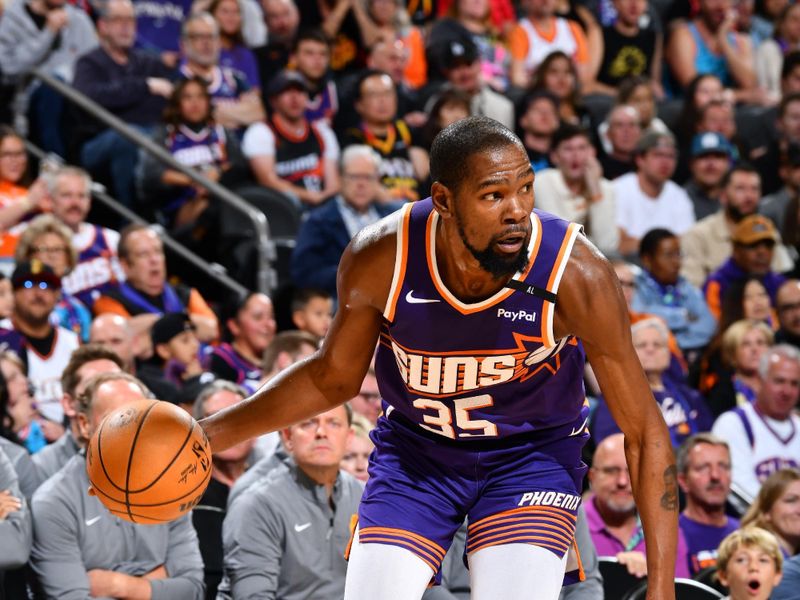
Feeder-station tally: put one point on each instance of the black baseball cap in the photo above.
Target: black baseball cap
(170, 325)
(459, 52)
(35, 271)
(284, 80)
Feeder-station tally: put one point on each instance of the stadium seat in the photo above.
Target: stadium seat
(617, 582)
(708, 576)
(685, 589)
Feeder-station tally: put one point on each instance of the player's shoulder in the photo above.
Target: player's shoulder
(371, 254)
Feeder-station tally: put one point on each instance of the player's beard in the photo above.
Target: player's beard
(497, 264)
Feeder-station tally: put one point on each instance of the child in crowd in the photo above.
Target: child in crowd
(749, 563)
(312, 311)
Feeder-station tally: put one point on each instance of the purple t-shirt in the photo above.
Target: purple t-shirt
(703, 541)
(240, 58)
(607, 544)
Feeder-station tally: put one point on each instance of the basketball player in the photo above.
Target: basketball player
(478, 302)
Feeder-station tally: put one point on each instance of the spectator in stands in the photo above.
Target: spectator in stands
(709, 44)
(788, 132)
(252, 25)
(227, 466)
(367, 402)
(146, 295)
(759, 434)
(158, 27)
(311, 57)
(388, 20)
(776, 509)
(251, 328)
(6, 297)
(537, 122)
(234, 53)
(81, 550)
(347, 24)
(750, 564)
(611, 511)
(647, 198)
(461, 67)
(21, 423)
(540, 33)
(704, 475)
(312, 311)
(769, 54)
(790, 581)
(623, 131)
(404, 166)
(708, 243)
(682, 407)
(787, 306)
(359, 447)
(288, 153)
(711, 157)
(46, 348)
(324, 235)
(176, 351)
(662, 291)
(702, 89)
(443, 109)
(389, 56)
(49, 35)
(132, 84)
(558, 75)
(781, 206)
(638, 93)
(282, 19)
(235, 104)
(112, 332)
(790, 74)
(747, 299)
(287, 348)
(49, 240)
(629, 50)
(15, 519)
(84, 363)
(754, 241)
(195, 140)
(265, 553)
(575, 188)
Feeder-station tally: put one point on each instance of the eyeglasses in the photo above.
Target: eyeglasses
(29, 285)
(48, 249)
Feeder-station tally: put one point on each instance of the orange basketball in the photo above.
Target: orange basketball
(149, 462)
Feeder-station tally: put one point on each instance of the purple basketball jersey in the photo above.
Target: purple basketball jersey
(481, 371)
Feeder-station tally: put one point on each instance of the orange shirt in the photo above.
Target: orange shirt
(9, 193)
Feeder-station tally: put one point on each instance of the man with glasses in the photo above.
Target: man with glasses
(288, 153)
(44, 348)
(614, 522)
(327, 231)
(131, 83)
(235, 104)
(787, 305)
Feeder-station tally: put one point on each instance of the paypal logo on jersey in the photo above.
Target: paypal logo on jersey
(516, 315)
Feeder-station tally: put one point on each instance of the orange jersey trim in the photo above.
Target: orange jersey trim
(555, 279)
(400, 262)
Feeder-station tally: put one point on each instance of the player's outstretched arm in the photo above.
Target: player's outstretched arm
(333, 374)
(592, 307)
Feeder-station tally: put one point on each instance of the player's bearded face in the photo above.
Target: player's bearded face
(491, 258)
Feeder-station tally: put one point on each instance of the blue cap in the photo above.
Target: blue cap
(711, 143)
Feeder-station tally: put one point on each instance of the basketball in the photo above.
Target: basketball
(149, 462)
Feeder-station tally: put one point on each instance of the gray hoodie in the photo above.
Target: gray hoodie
(15, 529)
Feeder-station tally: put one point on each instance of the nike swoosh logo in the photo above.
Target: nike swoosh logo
(299, 528)
(579, 429)
(412, 300)
(91, 522)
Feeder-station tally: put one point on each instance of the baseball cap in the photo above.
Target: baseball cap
(284, 80)
(754, 229)
(170, 325)
(655, 139)
(710, 143)
(34, 271)
(459, 52)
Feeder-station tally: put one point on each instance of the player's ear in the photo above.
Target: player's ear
(442, 199)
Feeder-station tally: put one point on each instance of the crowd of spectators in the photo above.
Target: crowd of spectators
(670, 130)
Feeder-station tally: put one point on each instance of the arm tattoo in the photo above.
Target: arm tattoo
(669, 500)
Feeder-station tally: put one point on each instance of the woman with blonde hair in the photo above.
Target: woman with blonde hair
(777, 509)
(50, 241)
(359, 447)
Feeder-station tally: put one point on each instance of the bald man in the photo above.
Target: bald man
(611, 511)
(112, 331)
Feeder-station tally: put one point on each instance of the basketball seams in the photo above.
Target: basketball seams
(130, 457)
(158, 477)
(102, 462)
(173, 500)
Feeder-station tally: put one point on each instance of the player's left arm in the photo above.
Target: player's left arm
(591, 306)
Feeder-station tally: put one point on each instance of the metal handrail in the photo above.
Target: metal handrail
(214, 270)
(266, 277)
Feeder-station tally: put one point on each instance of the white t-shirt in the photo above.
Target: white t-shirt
(259, 140)
(638, 213)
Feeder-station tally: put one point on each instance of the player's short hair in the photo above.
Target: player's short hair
(690, 443)
(457, 143)
(786, 351)
(311, 34)
(303, 296)
(218, 385)
(290, 342)
(749, 537)
(87, 397)
(650, 241)
(734, 334)
(79, 357)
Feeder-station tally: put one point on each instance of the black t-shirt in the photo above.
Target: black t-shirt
(207, 518)
(43, 345)
(625, 56)
(613, 168)
(348, 52)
